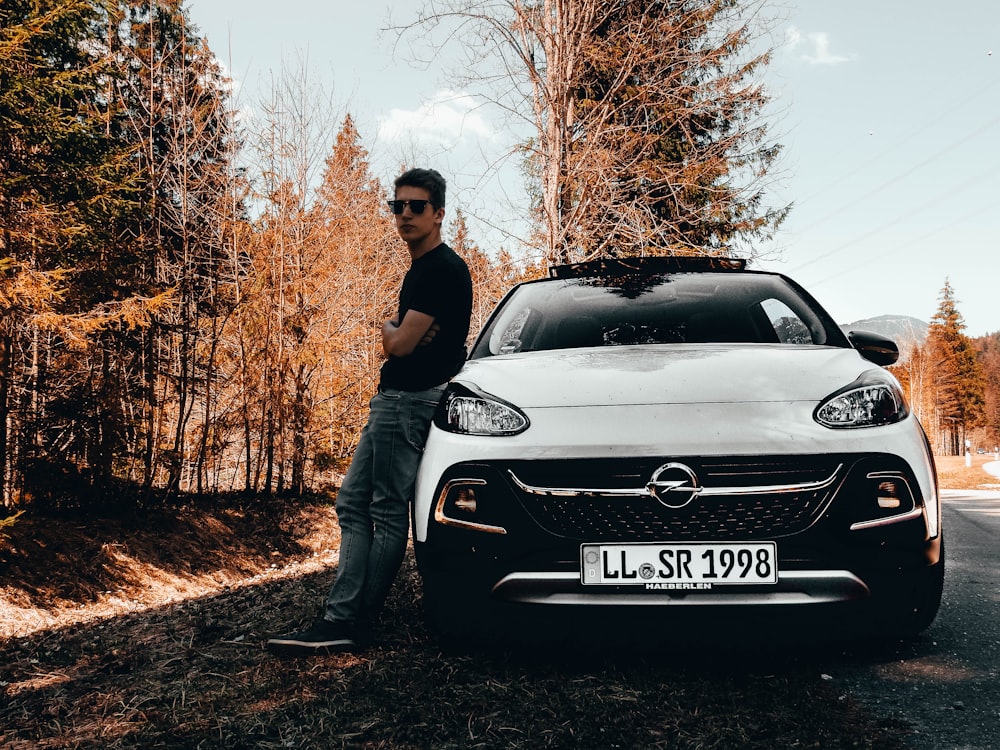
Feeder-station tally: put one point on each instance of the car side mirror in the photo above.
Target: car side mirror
(874, 347)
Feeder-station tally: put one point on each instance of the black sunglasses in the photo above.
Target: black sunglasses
(416, 206)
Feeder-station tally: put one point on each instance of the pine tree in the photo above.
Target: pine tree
(358, 235)
(179, 124)
(63, 184)
(669, 112)
(958, 380)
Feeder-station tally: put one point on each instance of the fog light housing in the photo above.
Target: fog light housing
(458, 505)
(885, 499)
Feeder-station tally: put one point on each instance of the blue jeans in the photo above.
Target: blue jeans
(373, 504)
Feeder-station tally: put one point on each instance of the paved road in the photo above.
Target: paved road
(946, 684)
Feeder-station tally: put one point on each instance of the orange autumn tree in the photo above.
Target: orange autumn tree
(988, 354)
(366, 261)
(943, 379)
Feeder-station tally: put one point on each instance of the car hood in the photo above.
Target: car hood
(630, 375)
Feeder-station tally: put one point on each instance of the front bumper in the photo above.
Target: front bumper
(796, 588)
(835, 540)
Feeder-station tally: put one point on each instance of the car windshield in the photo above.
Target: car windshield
(682, 308)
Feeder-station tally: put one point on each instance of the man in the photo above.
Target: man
(424, 347)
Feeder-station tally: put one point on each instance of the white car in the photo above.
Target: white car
(676, 433)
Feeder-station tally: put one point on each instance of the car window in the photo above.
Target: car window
(683, 308)
(788, 327)
(506, 335)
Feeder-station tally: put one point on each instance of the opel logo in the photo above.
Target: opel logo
(674, 485)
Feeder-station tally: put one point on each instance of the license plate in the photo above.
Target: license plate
(668, 564)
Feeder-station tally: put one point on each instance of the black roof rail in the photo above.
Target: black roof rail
(646, 265)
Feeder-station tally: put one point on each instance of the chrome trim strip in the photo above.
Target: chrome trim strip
(888, 521)
(793, 587)
(445, 520)
(700, 491)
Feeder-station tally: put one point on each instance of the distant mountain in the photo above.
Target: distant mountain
(900, 328)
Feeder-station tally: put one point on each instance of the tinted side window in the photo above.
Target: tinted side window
(506, 336)
(788, 327)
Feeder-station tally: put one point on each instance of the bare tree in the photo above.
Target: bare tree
(644, 115)
(179, 121)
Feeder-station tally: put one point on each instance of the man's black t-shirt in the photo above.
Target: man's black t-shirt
(437, 284)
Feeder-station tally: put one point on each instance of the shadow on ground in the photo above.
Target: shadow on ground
(195, 674)
(49, 561)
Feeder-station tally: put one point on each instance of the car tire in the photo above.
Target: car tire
(910, 613)
(454, 617)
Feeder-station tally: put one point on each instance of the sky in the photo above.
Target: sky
(888, 114)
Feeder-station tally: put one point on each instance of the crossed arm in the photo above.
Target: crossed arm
(416, 329)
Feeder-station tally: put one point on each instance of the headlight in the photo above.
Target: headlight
(467, 411)
(870, 401)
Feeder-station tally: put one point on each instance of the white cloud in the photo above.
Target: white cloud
(448, 118)
(814, 47)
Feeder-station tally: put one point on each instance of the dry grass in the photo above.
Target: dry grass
(953, 474)
(148, 633)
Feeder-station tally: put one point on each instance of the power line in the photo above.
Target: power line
(907, 173)
(992, 171)
(947, 114)
(906, 245)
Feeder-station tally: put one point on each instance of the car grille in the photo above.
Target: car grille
(742, 498)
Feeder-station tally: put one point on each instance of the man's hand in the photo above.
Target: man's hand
(429, 336)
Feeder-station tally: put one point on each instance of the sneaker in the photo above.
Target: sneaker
(324, 637)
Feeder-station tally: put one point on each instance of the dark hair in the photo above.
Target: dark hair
(428, 179)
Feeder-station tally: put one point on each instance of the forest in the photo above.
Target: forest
(188, 302)
(157, 336)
